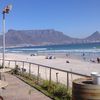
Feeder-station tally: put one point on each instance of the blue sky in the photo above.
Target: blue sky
(76, 18)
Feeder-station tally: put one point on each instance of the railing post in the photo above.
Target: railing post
(23, 67)
(57, 77)
(50, 77)
(71, 75)
(9, 64)
(46, 74)
(67, 80)
(15, 63)
(0, 76)
(23, 64)
(2, 62)
(29, 69)
(38, 74)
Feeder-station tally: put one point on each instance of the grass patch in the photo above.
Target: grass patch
(50, 89)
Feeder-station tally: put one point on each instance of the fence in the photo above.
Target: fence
(45, 72)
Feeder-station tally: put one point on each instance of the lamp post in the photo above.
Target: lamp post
(5, 11)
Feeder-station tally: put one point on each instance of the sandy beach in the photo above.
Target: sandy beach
(74, 65)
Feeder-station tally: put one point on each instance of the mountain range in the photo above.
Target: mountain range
(44, 37)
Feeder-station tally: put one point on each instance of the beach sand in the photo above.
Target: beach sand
(74, 65)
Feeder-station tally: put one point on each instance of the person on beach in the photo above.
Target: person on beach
(92, 60)
(84, 56)
(67, 61)
(98, 59)
(67, 55)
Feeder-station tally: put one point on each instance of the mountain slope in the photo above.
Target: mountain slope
(94, 37)
(44, 37)
(36, 37)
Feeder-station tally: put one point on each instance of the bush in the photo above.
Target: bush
(51, 88)
(57, 90)
(1, 66)
(45, 85)
(60, 91)
(16, 70)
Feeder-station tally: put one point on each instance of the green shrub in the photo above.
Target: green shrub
(51, 87)
(57, 90)
(1, 66)
(45, 85)
(54, 90)
(16, 70)
(60, 91)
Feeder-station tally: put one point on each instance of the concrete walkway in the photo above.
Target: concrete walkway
(18, 90)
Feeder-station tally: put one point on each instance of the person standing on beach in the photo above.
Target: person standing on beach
(84, 56)
(98, 59)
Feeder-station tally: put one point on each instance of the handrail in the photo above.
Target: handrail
(71, 72)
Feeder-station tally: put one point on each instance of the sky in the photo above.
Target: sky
(75, 18)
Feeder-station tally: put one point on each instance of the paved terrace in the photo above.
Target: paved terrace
(18, 90)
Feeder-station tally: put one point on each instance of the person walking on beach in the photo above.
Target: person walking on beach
(98, 59)
(84, 56)
(67, 55)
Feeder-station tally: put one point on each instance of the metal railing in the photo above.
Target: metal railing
(46, 72)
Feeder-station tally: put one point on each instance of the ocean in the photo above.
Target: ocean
(90, 50)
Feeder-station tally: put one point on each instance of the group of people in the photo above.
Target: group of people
(97, 60)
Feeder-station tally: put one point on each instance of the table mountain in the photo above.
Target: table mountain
(44, 37)
(36, 37)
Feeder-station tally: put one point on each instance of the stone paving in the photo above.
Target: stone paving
(18, 90)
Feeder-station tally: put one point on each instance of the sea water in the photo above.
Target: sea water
(80, 51)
